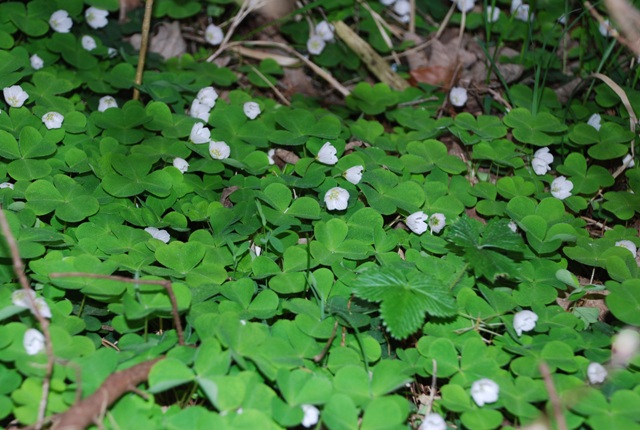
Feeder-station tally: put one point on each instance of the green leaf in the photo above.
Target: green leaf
(179, 256)
(68, 198)
(340, 413)
(169, 373)
(405, 297)
(624, 301)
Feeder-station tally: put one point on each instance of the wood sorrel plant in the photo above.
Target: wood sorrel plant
(247, 262)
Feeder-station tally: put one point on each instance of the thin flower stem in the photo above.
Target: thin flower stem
(144, 44)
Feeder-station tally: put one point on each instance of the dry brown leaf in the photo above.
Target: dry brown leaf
(126, 6)
(168, 41)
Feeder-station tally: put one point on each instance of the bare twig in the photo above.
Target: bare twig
(275, 90)
(18, 268)
(434, 385)
(628, 19)
(163, 283)
(319, 356)
(553, 397)
(144, 44)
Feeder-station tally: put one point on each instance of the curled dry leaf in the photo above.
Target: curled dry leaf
(168, 41)
(224, 197)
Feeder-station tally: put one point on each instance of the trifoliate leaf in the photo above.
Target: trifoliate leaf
(405, 297)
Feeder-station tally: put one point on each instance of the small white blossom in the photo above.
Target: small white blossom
(327, 154)
(464, 5)
(524, 321)
(181, 164)
(88, 43)
(315, 45)
(458, 96)
(542, 159)
(387, 2)
(402, 7)
(433, 421)
(15, 95)
(562, 19)
(594, 121)
(484, 391)
(107, 102)
(604, 27)
(628, 160)
(353, 174)
(6, 185)
(33, 341)
(625, 347)
(404, 19)
(311, 415)
(21, 298)
(336, 199)
(42, 307)
(561, 188)
(521, 10)
(96, 18)
(37, 63)
(437, 222)
(219, 150)
(513, 226)
(207, 96)
(200, 110)
(213, 34)
(162, 235)
(112, 52)
(270, 154)
(629, 245)
(325, 31)
(493, 13)
(52, 120)
(60, 21)
(257, 250)
(417, 222)
(596, 373)
(251, 110)
(200, 133)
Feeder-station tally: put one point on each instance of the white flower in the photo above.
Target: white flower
(251, 110)
(52, 120)
(402, 7)
(88, 43)
(336, 199)
(200, 133)
(561, 188)
(60, 21)
(257, 250)
(325, 31)
(315, 45)
(524, 321)
(162, 235)
(219, 150)
(21, 298)
(417, 222)
(513, 226)
(96, 18)
(464, 5)
(437, 222)
(594, 121)
(433, 421)
(458, 96)
(33, 341)
(327, 154)
(213, 34)
(107, 102)
(628, 160)
(353, 174)
(521, 10)
(493, 14)
(625, 346)
(311, 415)
(629, 245)
(207, 96)
(181, 164)
(112, 52)
(404, 19)
(484, 391)
(270, 154)
(43, 307)
(596, 373)
(542, 159)
(6, 185)
(15, 95)
(200, 110)
(604, 27)
(37, 63)
(387, 2)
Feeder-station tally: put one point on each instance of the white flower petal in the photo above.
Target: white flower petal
(200, 110)
(327, 154)
(43, 307)
(353, 174)
(96, 18)
(315, 45)
(207, 96)
(561, 188)
(181, 164)
(6, 185)
(604, 27)
(60, 21)
(464, 5)
(524, 321)
(433, 421)
(52, 120)
(200, 133)
(539, 166)
(437, 222)
(594, 121)
(162, 235)
(629, 245)
(417, 222)
(107, 102)
(33, 341)
(402, 7)
(336, 199)
(458, 96)
(596, 373)
(493, 13)
(311, 415)
(21, 298)
(251, 110)
(88, 43)
(628, 160)
(213, 34)
(325, 31)
(37, 63)
(625, 346)
(15, 96)
(484, 391)
(219, 150)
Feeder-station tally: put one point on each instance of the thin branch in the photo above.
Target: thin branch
(18, 268)
(144, 44)
(553, 396)
(163, 283)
